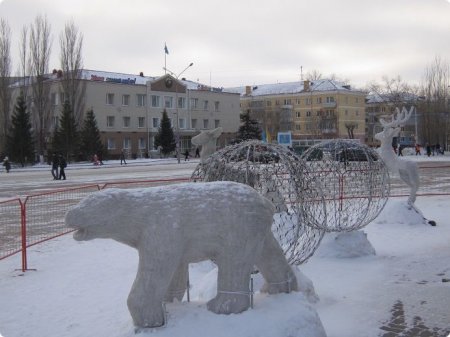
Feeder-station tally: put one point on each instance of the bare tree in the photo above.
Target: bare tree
(24, 64)
(71, 58)
(5, 73)
(40, 48)
(435, 108)
(314, 75)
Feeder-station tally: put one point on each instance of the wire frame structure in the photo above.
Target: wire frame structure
(355, 183)
(280, 176)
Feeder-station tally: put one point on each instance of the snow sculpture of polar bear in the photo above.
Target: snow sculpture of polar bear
(207, 140)
(171, 226)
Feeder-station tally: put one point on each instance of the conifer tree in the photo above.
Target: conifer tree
(20, 143)
(249, 128)
(165, 137)
(91, 142)
(67, 137)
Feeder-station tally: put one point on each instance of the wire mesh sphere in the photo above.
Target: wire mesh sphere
(279, 175)
(355, 183)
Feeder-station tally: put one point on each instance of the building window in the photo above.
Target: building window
(216, 106)
(155, 122)
(110, 121)
(126, 143)
(308, 101)
(216, 123)
(297, 101)
(194, 123)
(277, 102)
(182, 122)
(142, 143)
(319, 100)
(155, 101)
(181, 102)
(141, 122)
(357, 112)
(194, 103)
(205, 105)
(126, 121)
(141, 100)
(168, 102)
(297, 114)
(287, 101)
(308, 113)
(125, 100)
(54, 99)
(330, 99)
(110, 99)
(205, 123)
(111, 143)
(318, 113)
(297, 127)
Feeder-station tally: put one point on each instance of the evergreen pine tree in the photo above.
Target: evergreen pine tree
(91, 142)
(165, 137)
(67, 137)
(249, 128)
(20, 143)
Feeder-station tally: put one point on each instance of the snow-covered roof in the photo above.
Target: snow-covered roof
(106, 76)
(293, 88)
(404, 97)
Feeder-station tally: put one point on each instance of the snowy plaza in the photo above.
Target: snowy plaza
(402, 288)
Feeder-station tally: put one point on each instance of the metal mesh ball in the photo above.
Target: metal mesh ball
(279, 175)
(355, 183)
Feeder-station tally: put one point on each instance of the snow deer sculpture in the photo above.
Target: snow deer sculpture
(207, 140)
(406, 169)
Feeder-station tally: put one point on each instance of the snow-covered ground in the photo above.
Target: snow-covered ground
(80, 288)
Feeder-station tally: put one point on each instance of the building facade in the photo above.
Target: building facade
(310, 110)
(128, 109)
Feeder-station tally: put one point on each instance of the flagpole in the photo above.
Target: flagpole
(165, 58)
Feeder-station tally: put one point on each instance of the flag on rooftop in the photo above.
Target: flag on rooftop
(165, 49)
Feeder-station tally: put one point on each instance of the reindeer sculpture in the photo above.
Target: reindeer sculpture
(207, 140)
(407, 170)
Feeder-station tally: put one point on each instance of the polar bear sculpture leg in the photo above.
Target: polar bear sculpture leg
(275, 269)
(146, 295)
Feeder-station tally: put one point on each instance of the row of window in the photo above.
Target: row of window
(126, 143)
(163, 102)
(312, 126)
(195, 124)
(297, 101)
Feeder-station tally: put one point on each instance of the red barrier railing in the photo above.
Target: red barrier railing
(11, 227)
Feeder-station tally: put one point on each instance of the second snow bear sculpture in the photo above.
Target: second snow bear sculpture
(171, 226)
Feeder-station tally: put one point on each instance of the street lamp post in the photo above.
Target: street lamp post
(178, 138)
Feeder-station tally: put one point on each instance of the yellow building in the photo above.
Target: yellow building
(310, 110)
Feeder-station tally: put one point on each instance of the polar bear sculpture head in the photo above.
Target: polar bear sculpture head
(207, 140)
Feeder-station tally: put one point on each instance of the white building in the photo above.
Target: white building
(128, 108)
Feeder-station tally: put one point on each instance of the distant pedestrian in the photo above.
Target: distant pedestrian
(428, 149)
(55, 165)
(62, 166)
(186, 155)
(7, 164)
(197, 152)
(122, 157)
(400, 151)
(95, 160)
(417, 147)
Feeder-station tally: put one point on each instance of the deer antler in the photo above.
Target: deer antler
(398, 118)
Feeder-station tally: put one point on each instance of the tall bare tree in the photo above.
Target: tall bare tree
(435, 108)
(5, 73)
(71, 58)
(24, 70)
(40, 48)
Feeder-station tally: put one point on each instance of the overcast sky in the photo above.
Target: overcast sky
(247, 42)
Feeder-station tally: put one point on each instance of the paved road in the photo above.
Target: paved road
(20, 182)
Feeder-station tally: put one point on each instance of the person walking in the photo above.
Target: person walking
(62, 166)
(55, 165)
(428, 149)
(186, 155)
(122, 157)
(417, 147)
(197, 152)
(7, 164)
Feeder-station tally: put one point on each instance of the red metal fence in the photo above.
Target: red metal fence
(40, 217)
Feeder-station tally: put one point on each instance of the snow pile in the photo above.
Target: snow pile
(398, 211)
(345, 245)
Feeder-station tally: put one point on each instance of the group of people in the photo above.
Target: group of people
(187, 154)
(430, 149)
(59, 163)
